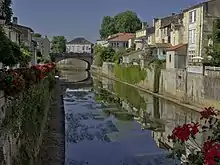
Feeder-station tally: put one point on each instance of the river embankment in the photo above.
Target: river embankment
(98, 71)
(52, 151)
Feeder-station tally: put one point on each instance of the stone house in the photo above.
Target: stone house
(176, 56)
(168, 32)
(26, 37)
(144, 37)
(198, 23)
(79, 45)
(43, 46)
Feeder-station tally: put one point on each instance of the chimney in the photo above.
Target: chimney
(15, 20)
(173, 13)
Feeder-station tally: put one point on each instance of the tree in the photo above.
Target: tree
(37, 35)
(58, 44)
(107, 27)
(214, 50)
(6, 8)
(103, 54)
(127, 21)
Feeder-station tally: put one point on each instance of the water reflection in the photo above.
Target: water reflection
(152, 113)
(102, 129)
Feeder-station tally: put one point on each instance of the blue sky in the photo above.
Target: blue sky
(73, 18)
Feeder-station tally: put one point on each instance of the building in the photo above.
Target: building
(198, 22)
(43, 46)
(176, 56)
(119, 41)
(79, 45)
(141, 37)
(26, 37)
(163, 36)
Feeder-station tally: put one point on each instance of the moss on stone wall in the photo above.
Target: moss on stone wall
(25, 120)
(130, 74)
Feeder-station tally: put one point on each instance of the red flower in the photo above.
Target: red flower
(183, 133)
(211, 150)
(208, 112)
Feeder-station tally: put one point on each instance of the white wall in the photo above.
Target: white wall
(79, 48)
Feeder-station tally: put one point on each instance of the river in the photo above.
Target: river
(110, 123)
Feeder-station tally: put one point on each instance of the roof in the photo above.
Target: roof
(198, 5)
(176, 47)
(161, 45)
(166, 21)
(121, 37)
(22, 27)
(79, 40)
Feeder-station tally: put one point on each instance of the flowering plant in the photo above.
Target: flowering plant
(207, 153)
(14, 81)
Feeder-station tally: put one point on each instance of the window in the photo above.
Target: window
(192, 36)
(117, 44)
(164, 52)
(191, 54)
(83, 47)
(192, 16)
(170, 58)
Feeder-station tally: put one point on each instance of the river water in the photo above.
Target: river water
(110, 123)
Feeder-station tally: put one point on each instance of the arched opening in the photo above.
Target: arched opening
(73, 64)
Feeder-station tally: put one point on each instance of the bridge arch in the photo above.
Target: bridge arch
(86, 57)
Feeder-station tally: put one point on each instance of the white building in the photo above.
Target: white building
(79, 45)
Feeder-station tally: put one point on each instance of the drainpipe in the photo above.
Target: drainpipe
(186, 84)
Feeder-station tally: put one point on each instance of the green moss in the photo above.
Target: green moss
(26, 117)
(129, 74)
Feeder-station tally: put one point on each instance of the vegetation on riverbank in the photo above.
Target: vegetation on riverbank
(26, 109)
(130, 74)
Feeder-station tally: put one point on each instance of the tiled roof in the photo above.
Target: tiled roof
(79, 40)
(176, 47)
(121, 37)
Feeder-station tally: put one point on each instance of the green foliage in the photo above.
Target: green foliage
(10, 53)
(103, 54)
(214, 50)
(123, 22)
(129, 74)
(118, 55)
(52, 57)
(58, 44)
(37, 35)
(127, 92)
(6, 8)
(107, 27)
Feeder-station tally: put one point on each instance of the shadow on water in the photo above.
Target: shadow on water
(109, 123)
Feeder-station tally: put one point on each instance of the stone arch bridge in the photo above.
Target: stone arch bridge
(87, 57)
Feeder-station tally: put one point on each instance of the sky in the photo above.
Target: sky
(82, 18)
